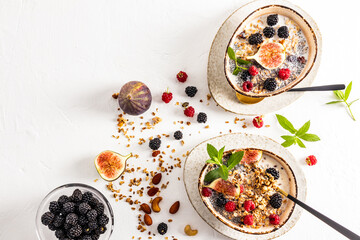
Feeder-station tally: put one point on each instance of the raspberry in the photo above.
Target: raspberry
(311, 160)
(258, 122)
(230, 206)
(241, 188)
(247, 86)
(249, 219)
(284, 73)
(189, 112)
(253, 70)
(182, 76)
(166, 96)
(249, 205)
(206, 192)
(274, 219)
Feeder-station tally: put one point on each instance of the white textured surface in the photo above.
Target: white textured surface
(61, 61)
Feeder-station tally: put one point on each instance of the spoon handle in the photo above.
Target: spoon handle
(344, 231)
(319, 88)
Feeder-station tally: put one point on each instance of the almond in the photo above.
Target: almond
(152, 191)
(147, 219)
(175, 207)
(156, 179)
(145, 208)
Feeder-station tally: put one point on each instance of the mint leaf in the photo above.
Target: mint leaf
(288, 138)
(224, 172)
(234, 159)
(211, 161)
(220, 154)
(212, 151)
(310, 137)
(300, 143)
(353, 102)
(303, 129)
(242, 61)
(231, 53)
(236, 71)
(286, 124)
(212, 175)
(334, 102)
(288, 143)
(348, 90)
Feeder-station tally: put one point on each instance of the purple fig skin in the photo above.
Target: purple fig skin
(135, 98)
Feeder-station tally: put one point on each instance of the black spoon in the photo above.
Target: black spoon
(319, 88)
(344, 231)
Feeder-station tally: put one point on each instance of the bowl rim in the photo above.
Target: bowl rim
(297, 81)
(220, 217)
(68, 185)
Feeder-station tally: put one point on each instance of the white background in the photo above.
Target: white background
(60, 62)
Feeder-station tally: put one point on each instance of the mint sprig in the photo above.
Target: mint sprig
(298, 136)
(238, 61)
(344, 97)
(216, 157)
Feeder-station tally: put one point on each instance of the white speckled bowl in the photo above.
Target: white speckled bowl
(220, 89)
(194, 166)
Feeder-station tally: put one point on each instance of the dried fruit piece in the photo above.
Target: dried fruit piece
(251, 156)
(175, 207)
(152, 191)
(157, 178)
(147, 219)
(155, 204)
(110, 165)
(135, 98)
(145, 208)
(189, 231)
(225, 187)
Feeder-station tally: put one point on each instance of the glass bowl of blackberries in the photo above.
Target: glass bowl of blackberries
(74, 211)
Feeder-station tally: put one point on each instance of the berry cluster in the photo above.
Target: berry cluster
(79, 216)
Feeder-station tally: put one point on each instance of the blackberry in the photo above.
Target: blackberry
(162, 228)
(60, 233)
(269, 32)
(58, 221)
(91, 215)
(52, 227)
(47, 218)
(100, 230)
(100, 208)
(67, 226)
(63, 199)
(69, 207)
(95, 236)
(202, 117)
(220, 201)
(54, 207)
(84, 208)
(255, 39)
(273, 172)
(245, 76)
(155, 143)
(86, 238)
(75, 231)
(93, 225)
(86, 230)
(71, 219)
(291, 58)
(272, 19)
(270, 84)
(87, 196)
(77, 195)
(103, 220)
(275, 200)
(82, 221)
(93, 202)
(283, 32)
(178, 135)
(191, 91)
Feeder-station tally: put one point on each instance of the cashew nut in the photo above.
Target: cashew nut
(155, 204)
(189, 231)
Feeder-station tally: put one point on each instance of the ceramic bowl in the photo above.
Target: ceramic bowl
(307, 31)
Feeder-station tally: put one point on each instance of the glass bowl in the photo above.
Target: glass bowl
(44, 233)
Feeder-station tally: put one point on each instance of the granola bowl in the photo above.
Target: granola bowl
(299, 51)
(291, 179)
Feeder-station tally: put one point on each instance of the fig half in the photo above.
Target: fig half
(251, 156)
(270, 55)
(225, 187)
(110, 165)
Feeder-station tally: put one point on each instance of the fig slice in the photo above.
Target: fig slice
(110, 165)
(270, 55)
(251, 156)
(225, 187)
